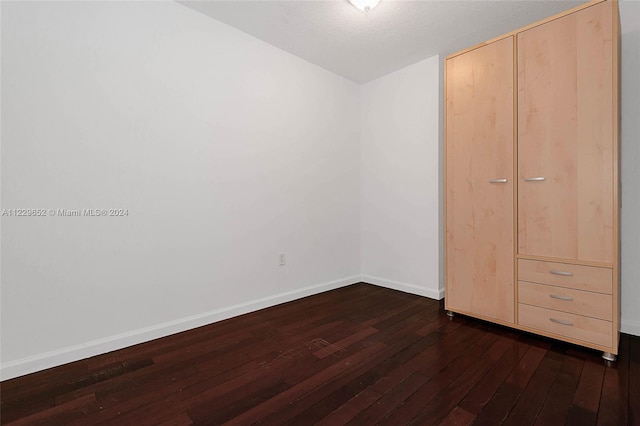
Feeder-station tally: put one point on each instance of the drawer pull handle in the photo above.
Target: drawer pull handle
(565, 273)
(498, 181)
(559, 321)
(534, 179)
(561, 297)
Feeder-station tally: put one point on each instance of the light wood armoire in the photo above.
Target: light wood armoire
(532, 178)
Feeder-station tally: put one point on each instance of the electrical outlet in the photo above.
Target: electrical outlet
(283, 260)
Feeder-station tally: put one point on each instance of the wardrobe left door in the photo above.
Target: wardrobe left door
(479, 181)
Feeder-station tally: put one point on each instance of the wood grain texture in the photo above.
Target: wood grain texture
(587, 278)
(400, 361)
(581, 328)
(479, 214)
(526, 27)
(584, 407)
(565, 108)
(558, 402)
(587, 303)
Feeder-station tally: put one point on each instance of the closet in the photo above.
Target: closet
(531, 178)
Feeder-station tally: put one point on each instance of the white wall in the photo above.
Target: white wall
(400, 155)
(630, 226)
(225, 150)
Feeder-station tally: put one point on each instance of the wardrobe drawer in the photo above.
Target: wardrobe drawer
(596, 305)
(572, 326)
(590, 278)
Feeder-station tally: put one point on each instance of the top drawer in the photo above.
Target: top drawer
(590, 278)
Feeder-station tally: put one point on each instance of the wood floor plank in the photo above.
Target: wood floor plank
(437, 322)
(634, 407)
(458, 417)
(207, 385)
(181, 419)
(259, 412)
(558, 402)
(502, 351)
(526, 409)
(634, 381)
(406, 412)
(481, 393)
(503, 400)
(363, 376)
(343, 414)
(337, 349)
(584, 407)
(221, 409)
(125, 401)
(21, 404)
(358, 355)
(52, 415)
(614, 400)
(366, 379)
(394, 397)
(452, 343)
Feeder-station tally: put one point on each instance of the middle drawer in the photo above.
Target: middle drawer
(596, 305)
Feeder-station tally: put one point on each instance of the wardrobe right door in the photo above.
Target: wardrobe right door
(565, 137)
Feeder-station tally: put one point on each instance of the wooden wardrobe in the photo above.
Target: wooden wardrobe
(532, 178)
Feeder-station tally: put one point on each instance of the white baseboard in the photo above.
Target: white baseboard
(407, 288)
(61, 356)
(630, 327)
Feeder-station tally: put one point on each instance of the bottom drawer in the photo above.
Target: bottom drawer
(573, 326)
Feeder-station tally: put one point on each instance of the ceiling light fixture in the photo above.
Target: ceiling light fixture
(364, 5)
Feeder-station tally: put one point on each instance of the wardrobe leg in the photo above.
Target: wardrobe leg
(450, 314)
(608, 356)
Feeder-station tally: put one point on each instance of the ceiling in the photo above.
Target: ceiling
(364, 46)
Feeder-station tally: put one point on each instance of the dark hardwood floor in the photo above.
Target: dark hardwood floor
(359, 355)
